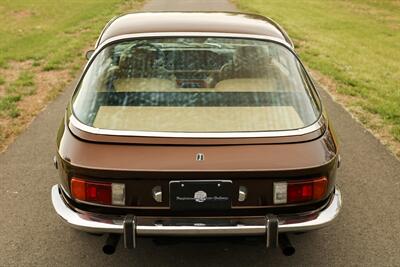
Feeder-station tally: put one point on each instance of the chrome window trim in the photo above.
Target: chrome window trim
(284, 133)
(74, 121)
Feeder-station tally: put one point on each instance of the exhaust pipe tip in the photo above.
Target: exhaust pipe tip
(108, 249)
(111, 244)
(288, 251)
(285, 245)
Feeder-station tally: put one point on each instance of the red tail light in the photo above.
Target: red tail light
(300, 191)
(96, 192)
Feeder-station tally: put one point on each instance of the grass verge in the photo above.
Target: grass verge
(42, 49)
(356, 45)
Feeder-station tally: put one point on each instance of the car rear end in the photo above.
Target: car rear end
(195, 136)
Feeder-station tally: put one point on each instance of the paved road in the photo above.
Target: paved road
(366, 233)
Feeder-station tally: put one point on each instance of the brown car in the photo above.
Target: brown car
(195, 124)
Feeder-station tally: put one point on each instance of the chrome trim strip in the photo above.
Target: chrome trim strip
(284, 133)
(200, 230)
(81, 221)
(323, 218)
(98, 223)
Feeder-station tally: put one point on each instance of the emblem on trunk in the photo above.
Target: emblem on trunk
(199, 156)
(200, 196)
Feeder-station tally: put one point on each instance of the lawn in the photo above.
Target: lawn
(42, 48)
(356, 44)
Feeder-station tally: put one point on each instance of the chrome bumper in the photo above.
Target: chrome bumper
(176, 226)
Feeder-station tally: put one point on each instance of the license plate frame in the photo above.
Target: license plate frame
(200, 194)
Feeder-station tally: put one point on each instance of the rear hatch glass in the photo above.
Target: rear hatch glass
(195, 85)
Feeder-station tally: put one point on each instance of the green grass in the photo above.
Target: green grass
(40, 36)
(24, 85)
(354, 42)
(54, 31)
(8, 105)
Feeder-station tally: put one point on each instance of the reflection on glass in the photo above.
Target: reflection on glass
(195, 85)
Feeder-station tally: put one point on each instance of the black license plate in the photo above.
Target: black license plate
(200, 195)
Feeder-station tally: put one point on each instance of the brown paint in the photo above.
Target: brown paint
(144, 162)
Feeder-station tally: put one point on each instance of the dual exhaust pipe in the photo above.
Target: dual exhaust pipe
(285, 245)
(111, 243)
(283, 240)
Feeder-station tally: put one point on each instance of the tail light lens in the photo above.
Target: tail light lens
(300, 191)
(96, 192)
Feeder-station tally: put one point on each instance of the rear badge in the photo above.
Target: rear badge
(199, 156)
(200, 196)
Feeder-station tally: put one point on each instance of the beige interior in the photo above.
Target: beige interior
(246, 85)
(144, 84)
(163, 85)
(198, 119)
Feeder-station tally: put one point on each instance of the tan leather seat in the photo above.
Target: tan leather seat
(144, 84)
(246, 85)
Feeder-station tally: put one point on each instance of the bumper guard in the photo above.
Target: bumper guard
(131, 226)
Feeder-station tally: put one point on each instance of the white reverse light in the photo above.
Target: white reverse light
(118, 194)
(280, 193)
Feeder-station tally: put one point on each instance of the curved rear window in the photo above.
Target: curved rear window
(195, 85)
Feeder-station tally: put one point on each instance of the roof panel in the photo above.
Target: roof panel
(221, 22)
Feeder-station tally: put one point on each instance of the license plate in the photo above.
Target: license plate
(200, 195)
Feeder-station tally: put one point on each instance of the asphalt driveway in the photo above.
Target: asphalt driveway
(365, 234)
